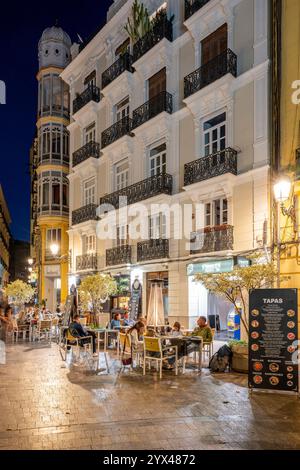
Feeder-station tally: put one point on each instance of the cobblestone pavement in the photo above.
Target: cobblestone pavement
(46, 405)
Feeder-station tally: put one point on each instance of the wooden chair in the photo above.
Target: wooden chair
(208, 347)
(154, 351)
(43, 331)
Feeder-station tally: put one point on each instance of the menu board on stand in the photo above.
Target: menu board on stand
(273, 340)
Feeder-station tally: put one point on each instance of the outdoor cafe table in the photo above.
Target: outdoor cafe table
(182, 343)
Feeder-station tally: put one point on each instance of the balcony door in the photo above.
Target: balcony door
(90, 80)
(89, 192)
(90, 134)
(157, 83)
(216, 213)
(122, 109)
(121, 175)
(214, 44)
(158, 160)
(214, 131)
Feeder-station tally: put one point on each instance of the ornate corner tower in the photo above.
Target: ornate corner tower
(51, 252)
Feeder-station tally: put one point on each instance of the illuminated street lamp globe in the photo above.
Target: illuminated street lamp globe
(54, 248)
(282, 189)
(30, 261)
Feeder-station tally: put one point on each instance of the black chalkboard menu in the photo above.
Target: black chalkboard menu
(134, 304)
(273, 338)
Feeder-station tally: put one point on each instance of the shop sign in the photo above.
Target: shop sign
(273, 340)
(210, 267)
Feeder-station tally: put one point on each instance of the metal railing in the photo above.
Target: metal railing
(212, 239)
(118, 255)
(124, 62)
(87, 262)
(92, 93)
(153, 249)
(150, 187)
(91, 149)
(211, 166)
(160, 30)
(116, 131)
(208, 73)
(191, 6)
(156, 105)
(84, 214)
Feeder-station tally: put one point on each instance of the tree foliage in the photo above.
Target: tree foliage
(95, 290)
(19, 293)
(234, 286)
(139, 24)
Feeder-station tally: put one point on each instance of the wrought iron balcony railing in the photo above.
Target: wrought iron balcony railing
(208, 167)
(150, 187)
(118, 255)
(158, 104)
(84, 214)
(212, 239)
(91, 149)
(153, 249)
(123, 63)
(86, 262)
(208, 73)
(160, 30)
(92, 93)
(191, 6)
(116, 131)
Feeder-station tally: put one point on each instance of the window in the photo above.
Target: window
(157, 227)
(89, 244)
(158, 160)
(216, 213)
(90, 133)
(45, 193)
(57, 93)
(46, 142)
(90, 80)
(89, 190)
(121, 175)
(56, 143)
(157, 83)
(46, 93)
(214, 44)
(122, 109)
(56, 194)
(215, 135)
(65, 195)
(122, 235)
(53, 236)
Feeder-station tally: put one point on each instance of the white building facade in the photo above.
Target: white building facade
(179, 118)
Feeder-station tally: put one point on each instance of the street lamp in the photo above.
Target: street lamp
(282, 192)
(54, 249)
(30, 261)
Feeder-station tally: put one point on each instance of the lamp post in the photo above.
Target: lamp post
(282, 191)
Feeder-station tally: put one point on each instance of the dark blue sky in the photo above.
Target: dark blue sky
(21, 25)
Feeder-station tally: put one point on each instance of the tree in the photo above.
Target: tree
(19, 293)
(95, 290)
(234, 286)
(139, 24)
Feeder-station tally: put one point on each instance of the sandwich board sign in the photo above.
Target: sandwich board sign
(273, 340)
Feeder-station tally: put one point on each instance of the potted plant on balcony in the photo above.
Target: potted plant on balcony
(234, 286)
(139, 24)
(94, 291)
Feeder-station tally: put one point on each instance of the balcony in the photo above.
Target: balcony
(89, 150)
(210, 72)
(150, 187)
(160, 103)
(86, 262)
(118, 255)
(84, 214)
(160, 30)
(116, 131)
(191, 6)
(92, 93)
(211, 166)
(117, 68)
(212, 239)
(152, 249)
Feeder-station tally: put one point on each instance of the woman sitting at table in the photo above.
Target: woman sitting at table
(115, 324)
(136, 332)
(176, 330)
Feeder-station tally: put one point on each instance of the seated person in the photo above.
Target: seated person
(115, 324)
(127, 320)
(77, 330)
(176, 329)
(136, 332)
(203, 330)
(7, 324)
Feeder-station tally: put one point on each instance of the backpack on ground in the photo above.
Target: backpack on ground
(221, 360)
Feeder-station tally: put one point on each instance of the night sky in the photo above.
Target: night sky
(21, 26)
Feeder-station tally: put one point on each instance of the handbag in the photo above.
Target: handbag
(128, 360)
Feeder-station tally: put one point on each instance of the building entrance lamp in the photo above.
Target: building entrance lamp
(282, 192)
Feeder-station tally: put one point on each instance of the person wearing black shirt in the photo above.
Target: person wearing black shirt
(77, 330)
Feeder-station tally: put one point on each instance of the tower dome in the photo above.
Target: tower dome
(54, 48)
